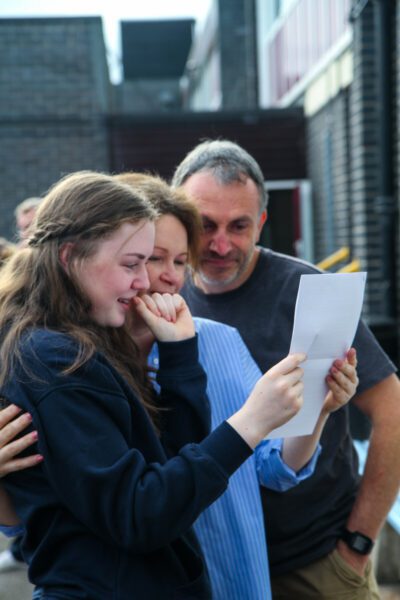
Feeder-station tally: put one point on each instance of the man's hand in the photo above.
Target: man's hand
(358, 562)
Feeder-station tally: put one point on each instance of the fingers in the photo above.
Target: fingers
(341, 387)
(344, 371)
(147, 310)
(288, 364)
(8, 452)
(298, 389)
(8, 414)
(11, 426)
(344, 379)
(162, 305)
(351, 356)
(18, 464)
(166, 315)
(146, 302)
(179, 302)
(9, 429)
(292, 377)
(169, 305)
(337, 395)
(288, 383)
(166, 306)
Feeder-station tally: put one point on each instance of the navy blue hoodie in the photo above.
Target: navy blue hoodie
(108, 513)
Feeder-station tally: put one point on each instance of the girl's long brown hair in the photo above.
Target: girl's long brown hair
(36, 291)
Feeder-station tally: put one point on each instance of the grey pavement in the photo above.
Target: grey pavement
(15, 585)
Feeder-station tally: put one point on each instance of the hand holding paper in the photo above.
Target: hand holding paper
(328, 309)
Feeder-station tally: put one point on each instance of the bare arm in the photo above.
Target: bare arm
(381, 480)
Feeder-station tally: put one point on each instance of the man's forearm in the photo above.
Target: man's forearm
(381, 479)
(380, 482)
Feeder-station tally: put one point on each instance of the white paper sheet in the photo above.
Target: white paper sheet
(328, 309)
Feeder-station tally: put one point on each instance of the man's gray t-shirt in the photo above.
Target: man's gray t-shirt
(302, 524)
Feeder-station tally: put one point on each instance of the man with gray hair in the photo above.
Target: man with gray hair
(320, 534)
(24, 215)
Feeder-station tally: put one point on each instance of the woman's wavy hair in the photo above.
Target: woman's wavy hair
(36, 291)
(169, 201)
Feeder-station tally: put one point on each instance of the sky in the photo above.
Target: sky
(111, 11)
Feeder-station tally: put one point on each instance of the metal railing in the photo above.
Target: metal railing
(338, 257)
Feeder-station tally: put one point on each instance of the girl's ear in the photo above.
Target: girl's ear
(64, 254)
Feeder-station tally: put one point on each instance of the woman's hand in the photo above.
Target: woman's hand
(167, 316)
(276, 398)
(10, 426)
(342, 382)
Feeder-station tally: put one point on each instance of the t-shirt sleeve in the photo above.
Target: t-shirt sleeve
(373, 364)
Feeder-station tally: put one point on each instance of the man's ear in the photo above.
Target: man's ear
(65, 254)
(261, 222)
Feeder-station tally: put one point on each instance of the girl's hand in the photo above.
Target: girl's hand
(342, 382)
(10, 426)
(275, 399)
(141, 333)
(167, 316)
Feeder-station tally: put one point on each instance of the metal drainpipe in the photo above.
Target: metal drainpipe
(385, 202)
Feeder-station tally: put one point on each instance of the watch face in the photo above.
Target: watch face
(358, 542)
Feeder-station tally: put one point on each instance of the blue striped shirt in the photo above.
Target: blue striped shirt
(231, 530)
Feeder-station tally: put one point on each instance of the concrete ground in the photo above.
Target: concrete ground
(15, 586)
(390, 592)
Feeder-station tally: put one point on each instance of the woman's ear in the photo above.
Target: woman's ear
(65, 254)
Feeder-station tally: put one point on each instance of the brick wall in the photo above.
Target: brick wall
(328, 167)
(364, 159)
(54, 94)
(345, 166)
(373, 201)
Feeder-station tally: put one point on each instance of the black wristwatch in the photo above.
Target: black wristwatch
(357, 541)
